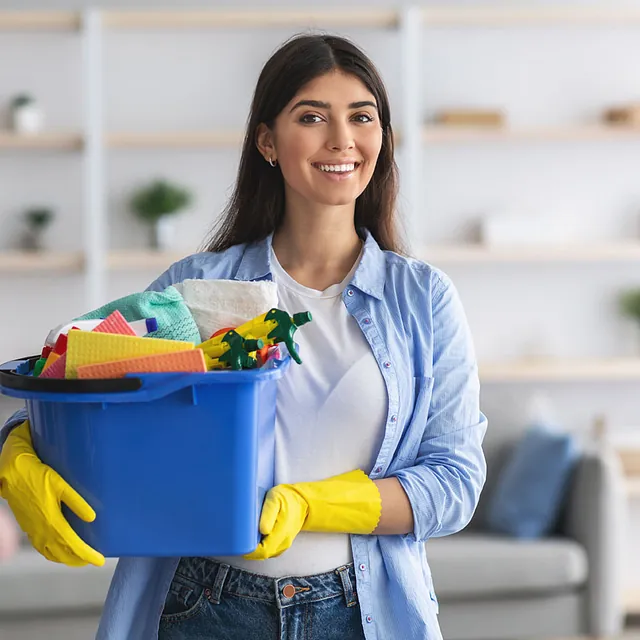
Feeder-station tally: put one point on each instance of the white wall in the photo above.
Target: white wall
(543, 76)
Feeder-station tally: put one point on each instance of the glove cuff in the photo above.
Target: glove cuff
(347, 503)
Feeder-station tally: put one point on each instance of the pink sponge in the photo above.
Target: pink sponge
(115, 323)
(57, 369)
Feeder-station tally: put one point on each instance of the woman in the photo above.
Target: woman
(379, 432)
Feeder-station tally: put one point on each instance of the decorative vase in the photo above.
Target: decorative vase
(32, 240)
(162, 233)
(27, 118)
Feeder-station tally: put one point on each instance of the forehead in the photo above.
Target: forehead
(335, 87)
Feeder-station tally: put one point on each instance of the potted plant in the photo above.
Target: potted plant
(156, 204)
(26, 115)
(630, 307)
(38, 220)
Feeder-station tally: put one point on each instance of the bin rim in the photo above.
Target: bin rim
(15, 382)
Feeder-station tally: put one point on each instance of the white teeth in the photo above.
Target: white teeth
(337, 168)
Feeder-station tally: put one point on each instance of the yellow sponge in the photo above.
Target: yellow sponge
(88, 347)
(51, 358)
(184, 361)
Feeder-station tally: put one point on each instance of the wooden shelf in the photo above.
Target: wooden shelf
(633, 489)
(559, 370)
(45, 20)
(493, 16)
(382, 18)
(25, 262)
(175, 139)
(441, 134)
(141, 259)
(632, 601)
(482, 254)
(43, 141)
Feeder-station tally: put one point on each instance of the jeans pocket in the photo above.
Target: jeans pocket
(184, 600)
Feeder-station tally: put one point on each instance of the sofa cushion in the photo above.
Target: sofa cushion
(531, 488)
(478, 565)
(29, 582)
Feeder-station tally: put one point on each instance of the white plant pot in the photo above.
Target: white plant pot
(163, 233)
(27, 119)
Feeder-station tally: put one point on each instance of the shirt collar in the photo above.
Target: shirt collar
(369, 277)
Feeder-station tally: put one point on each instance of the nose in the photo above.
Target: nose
(340, 137)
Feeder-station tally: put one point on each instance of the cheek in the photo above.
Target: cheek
(371, 152)
(293, 159)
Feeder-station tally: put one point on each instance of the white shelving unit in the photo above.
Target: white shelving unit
(95, 259)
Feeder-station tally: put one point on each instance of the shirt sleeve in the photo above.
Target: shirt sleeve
(171, 276)
(17, 418)
(444, 485)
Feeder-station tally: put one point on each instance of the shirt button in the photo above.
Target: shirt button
(378, 469)
(363, 567)
(394, 418)
(369, 619)
(367, 320)
(349, 292)
(387, 364)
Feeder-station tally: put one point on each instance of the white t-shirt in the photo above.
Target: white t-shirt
(330, 415)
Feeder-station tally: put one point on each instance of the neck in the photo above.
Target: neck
(317, 238)
(317, 243)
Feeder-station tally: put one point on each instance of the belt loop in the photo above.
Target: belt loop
(218, 583)
(347, 587)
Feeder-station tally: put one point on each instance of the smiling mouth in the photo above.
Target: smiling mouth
(336, 169)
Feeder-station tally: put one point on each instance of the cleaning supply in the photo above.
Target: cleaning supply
(174, 319)
(113, 323)
(138, 328)
(89, 347)
(276, 326)
(182, 361)
(226, 303)
(34, 491)
(270, 327)
(234, 351)
(347, 503)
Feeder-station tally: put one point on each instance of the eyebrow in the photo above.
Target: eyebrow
(318, 104)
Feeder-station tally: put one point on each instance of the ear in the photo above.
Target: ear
(265, 142)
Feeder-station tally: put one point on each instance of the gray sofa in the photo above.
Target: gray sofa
(489, 587)
(493, 587)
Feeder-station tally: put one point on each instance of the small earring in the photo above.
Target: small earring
(273, 163)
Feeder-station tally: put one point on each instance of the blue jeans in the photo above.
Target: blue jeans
(209, 600)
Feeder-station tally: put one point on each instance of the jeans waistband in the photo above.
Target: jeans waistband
(217, 578)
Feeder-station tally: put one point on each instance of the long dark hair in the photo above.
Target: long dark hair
(256, 207)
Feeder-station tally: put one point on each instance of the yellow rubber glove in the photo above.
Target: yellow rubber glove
(34, 491)
(348, 503)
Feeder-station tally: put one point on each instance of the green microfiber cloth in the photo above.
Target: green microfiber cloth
(174, 319)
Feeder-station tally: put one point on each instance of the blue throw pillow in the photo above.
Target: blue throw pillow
(531, 487)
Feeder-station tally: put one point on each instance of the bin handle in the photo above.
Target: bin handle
(13, 376)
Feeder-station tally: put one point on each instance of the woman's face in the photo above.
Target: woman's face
(327, 140)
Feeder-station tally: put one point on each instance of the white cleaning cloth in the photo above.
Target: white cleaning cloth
(217, 304)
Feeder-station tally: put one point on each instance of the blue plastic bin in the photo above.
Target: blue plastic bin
(173, 464)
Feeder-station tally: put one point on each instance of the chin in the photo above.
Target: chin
(337, 202)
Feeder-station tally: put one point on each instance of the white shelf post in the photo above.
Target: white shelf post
(94, 227)
(411, 151)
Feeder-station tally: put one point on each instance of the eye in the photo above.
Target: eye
(363, 117)
(310, 118)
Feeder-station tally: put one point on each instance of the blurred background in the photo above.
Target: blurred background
(519, 151)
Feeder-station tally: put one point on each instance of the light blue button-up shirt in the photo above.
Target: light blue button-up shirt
(411, 315)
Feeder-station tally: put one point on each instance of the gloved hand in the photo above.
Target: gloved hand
(348, 503)
(34, 491)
